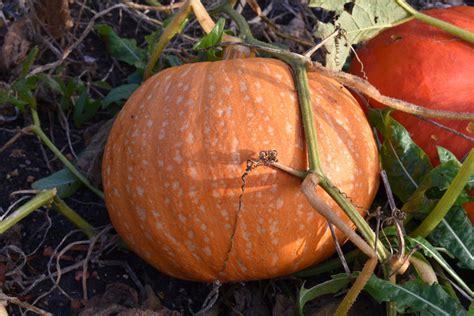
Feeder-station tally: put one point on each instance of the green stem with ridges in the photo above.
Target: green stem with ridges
(448, 27)
(41, 199)
(74, 217)
(299, 63)
(447, 200)
(355, 217)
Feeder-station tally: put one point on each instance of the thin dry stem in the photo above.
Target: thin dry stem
(154, 8)
(366, 88)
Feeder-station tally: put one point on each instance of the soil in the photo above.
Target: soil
(118, 282)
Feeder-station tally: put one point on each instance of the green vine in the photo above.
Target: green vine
(448, 27)
(299, 64)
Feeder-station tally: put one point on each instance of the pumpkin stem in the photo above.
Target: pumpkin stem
(448, 27)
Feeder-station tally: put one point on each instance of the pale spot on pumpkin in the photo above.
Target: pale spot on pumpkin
(275, 259)
(207, 251)
(243, 86)
(179, 99)
(161, 163)
(141, 213)
(246, 97)
(190, 245)
(190, 139)
(148, 236)
(148, 98)
(149, 123)
(185, 126)
(191, 234)
(225, 213)
(182, 218)
(279, 203)
(193, 172)
(159, 226)
(140, 191)
(162, 134)
(227, 90)
(275, 241)
(178, 158)
(302, 227)
(259, 99)
(242, 267)
(203, 227)
(115, 191)
(190, 102)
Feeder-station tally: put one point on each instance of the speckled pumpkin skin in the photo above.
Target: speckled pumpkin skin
(174, 160)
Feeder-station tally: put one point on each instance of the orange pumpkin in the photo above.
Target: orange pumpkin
(424, 65)
(174, 160)
(419, 63)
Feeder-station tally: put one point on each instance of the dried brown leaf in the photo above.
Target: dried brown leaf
(55, 16)
(15, 45)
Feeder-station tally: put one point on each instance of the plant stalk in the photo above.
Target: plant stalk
(45, 139)
(74, 217)
(41, 199)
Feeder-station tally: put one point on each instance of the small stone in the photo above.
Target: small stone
(30, 179)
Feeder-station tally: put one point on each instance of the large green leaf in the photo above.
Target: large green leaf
(446, 156)
(456, 234)
(358, 21)
(123, 49)
(63, 180)
(432, 188)
(415, 296)
(337, 283)
(404, 161)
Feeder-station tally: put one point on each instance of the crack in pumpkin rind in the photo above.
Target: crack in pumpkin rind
(236, 220)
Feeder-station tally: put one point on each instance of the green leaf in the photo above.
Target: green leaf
(54, 84)
(367, 19)
(120, 93)
(102, 84)
(404, 161)
(446, 156)
(85, 108)
(213, 38)
(456, 234)
(337, 282)
(432, 188)
(63, 180)
(123, 49)
(430, 251)
(415, 296)
(28, 62)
